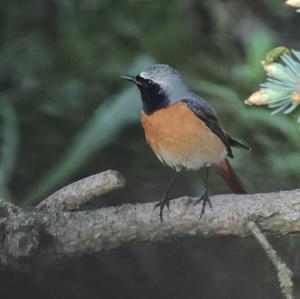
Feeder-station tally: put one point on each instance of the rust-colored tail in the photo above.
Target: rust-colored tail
(225, 171)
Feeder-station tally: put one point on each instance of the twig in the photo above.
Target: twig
(74, 195)
(284, 274)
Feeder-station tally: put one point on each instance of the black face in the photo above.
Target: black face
(153, 97)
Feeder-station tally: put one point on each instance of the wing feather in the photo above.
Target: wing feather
(208, 115)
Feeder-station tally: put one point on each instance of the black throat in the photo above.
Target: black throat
(153, 98)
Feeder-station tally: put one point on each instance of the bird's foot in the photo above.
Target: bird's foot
(164, 202)
(205, 200)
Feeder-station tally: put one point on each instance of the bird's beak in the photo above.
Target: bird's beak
(131, 79)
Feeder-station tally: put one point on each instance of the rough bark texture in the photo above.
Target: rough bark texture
(53, 230)
(74, 195)
(47, 234)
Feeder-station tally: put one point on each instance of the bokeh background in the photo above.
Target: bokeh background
(65, 114)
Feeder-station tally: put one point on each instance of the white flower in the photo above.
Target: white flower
(258, 98)
(276, 70)
(294, 3)
(281, 91)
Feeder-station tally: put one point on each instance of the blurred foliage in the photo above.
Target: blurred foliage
(9, 144)
(60, 68)
(97, 133)
(65, 113)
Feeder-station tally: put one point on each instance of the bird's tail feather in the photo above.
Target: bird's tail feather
(233, 142)
(225, 171)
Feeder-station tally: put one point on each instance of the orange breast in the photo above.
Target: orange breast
(180, 139)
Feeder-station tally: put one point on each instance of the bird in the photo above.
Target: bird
(183, 130)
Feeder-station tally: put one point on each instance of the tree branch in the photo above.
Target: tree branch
(82, 232)
(52, 230)
(284, 274)
(6, 207)
(74, 195)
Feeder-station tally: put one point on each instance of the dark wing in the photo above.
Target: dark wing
(208, 115)
(234, 143)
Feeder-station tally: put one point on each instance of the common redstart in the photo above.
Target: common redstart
(183, 129)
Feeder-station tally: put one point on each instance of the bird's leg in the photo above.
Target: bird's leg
(165, 201)
(204, 197)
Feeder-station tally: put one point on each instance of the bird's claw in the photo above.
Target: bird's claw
(205, 199)
(165, 202)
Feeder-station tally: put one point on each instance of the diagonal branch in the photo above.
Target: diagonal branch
(284, 274)
(72, 196)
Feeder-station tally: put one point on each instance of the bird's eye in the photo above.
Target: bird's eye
(149, 82)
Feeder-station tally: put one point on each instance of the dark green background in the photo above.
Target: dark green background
(66, 114)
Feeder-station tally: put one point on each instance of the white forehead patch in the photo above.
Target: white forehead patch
(157, 79)
(161, 73)
(143, 75)
(168, 79)
(148, 75)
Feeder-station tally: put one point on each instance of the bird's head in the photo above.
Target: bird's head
(160, 85)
